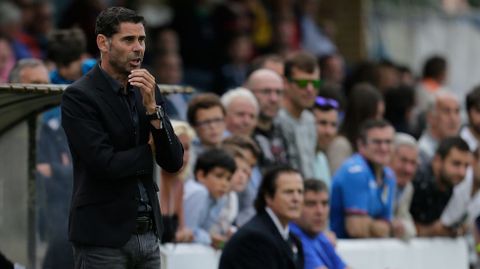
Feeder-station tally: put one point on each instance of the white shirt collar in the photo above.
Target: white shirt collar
(283, 231)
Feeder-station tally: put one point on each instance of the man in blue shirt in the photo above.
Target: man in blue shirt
(318, 250)
(363, 187)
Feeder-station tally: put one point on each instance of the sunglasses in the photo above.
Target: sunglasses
(303, 83)
(326, 102)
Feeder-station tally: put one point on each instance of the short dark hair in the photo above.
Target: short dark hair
(66, 46)
(473, 98)
(371, 124)
(314, 185)
(109, 20)
(215, 157)
(301, 60)
(269, 184)
(447, 144)
(434, 67)
(202, 101)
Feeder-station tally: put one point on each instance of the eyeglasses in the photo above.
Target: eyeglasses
(326, 102)
(205, 123)
(303, 83)
(268, 91)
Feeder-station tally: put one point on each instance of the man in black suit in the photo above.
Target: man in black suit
(115, 124)
(265, 241)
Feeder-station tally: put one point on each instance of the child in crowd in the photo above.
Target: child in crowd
(205, 197)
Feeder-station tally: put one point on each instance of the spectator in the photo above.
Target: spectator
(471, 132)
(204, 197)
(364, 102)
(241, 111)
(246, 197)
(7, 59)
(443, 120)
(297, 123)
(206, 115)
(363, 188)
(267, 86)
(404, 163)
(433, 187)
(319, 252)
(464, 206)
(171, 191)
(168, 69)
(333, 68)
(265, 241)
(29, 70)
(399, 103)
(325, 111)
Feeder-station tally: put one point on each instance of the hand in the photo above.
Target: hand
(44, 169)
(142, 79)
(397, 228)
(332, 237)
(184, 235)
(218, 240)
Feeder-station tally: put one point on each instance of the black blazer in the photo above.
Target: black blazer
(259, 245)
(107, 163)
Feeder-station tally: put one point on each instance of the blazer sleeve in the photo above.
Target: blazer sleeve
(168, 149)
(91, 143)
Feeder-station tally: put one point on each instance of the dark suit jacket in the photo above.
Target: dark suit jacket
(259, 245)
(107, 163)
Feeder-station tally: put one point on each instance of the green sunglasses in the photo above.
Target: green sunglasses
(303, 83)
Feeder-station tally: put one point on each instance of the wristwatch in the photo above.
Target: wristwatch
(157, 115)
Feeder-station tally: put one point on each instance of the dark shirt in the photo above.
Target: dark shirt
(127, 96)
(272, 146)
(428, 200)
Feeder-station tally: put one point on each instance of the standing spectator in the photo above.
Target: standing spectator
(297, 123)
(206, 115)
(7, 59)
(433, 187)
(319, 252)
(241, 111)
(325, 111)
(443, 120)
(267, 86)
(109, 116)
(364, 103)
(471, 132)
(265, 241)
(333, 68)
(363, 188)
(404, 163)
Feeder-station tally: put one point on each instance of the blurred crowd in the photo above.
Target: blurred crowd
(390, 146)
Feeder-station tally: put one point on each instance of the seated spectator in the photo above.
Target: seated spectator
(433, 186)
(325, 111)
(266, 241)
(404, 163)
(171, 191)
(464, 206)
(363, 188)
(204, 197)
(238, 183)
(206, 115)
(269, 61)
(364, 102)
(310, 228)
(241, 111)
(471, 132)
(7, 59)
(443, 120)
(247, 196)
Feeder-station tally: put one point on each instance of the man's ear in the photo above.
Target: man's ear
(103, 43)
